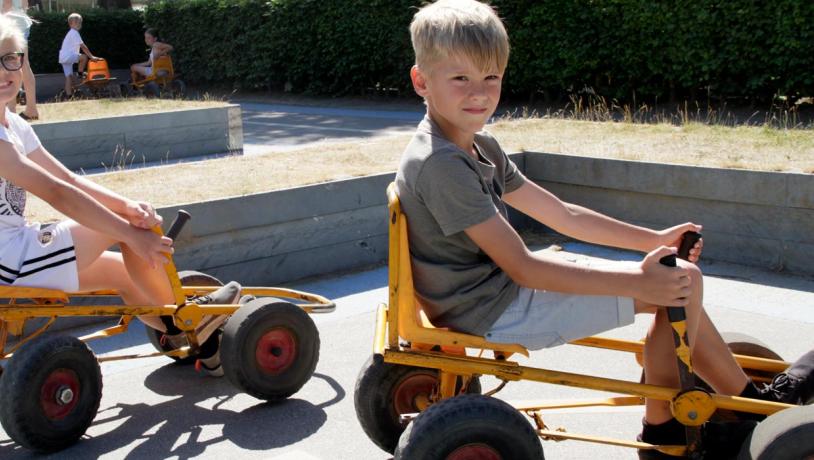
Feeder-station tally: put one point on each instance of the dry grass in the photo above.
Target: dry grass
(758, 148)
(104, 108)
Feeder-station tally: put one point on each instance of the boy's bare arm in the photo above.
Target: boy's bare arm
(588, 225)
(86, 50)
(162, 49)
(650, 281)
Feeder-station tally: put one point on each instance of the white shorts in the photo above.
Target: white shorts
(541, 319)
(42, 256)
(67, 64)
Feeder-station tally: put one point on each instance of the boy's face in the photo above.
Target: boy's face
(460, 96)
(149, 39)
(75, 24)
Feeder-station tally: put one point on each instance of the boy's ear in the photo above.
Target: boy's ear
(419, 81)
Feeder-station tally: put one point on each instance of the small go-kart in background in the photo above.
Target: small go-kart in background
(51, 384)
(419, 396)
(162, 82)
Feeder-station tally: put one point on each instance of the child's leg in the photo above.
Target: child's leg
(138, 283)
(83, 61)
(68, 85)
(30, 85)
(712, 359)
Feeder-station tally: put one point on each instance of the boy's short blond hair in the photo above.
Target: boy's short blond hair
(459, 27)
(74, 17)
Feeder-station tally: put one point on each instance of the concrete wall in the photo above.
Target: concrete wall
(88, 144)
(755, 218)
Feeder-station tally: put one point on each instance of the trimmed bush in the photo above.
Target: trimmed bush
(116, 35)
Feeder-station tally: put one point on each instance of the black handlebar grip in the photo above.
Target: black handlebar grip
(179, 222)
(687, 242)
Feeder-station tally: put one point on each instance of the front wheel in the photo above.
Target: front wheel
(469, 427)
(269, 348)
(784, 435)
(50, 393)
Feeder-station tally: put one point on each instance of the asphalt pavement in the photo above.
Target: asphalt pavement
(152, 408)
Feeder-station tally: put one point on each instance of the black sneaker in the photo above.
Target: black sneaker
(795, 385)
(209, 359)
(719, 440)
(228, 294)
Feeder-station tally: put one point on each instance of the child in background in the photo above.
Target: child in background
(69, 53)
(157, 49)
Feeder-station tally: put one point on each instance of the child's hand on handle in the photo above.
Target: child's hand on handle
(661, 285)
(150, 246)
(672, 237)
(142, 215)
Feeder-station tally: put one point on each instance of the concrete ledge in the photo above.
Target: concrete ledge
(88, 144)
(749, 217)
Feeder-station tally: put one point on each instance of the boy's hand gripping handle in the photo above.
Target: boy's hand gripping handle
(678, 322)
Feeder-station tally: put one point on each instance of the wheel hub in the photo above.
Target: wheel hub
(414, 392)
(276, 351)
(58, 393)
(474, 452)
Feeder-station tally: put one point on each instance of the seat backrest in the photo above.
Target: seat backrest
(404, 313)
(162, 67)
(98, 70)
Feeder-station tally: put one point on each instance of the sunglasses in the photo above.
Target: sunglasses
(12, 61)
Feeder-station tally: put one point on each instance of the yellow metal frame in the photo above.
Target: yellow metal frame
(161, 64)
(405, 336)
(50, 304)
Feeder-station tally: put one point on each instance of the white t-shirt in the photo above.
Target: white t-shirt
(70, 46)
(12, 198)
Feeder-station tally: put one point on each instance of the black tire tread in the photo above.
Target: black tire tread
(17, 386)
(469, 418)
(266, 313)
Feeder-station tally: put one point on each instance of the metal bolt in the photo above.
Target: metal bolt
(64, 395)
(692, 415)
(188, 322)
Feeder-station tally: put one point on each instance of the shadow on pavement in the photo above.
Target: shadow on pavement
(173, 428)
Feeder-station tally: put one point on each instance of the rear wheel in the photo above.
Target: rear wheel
(152, 90)
(50, 393)
(784, 435)
(385, 391)
(188, 278)
(469, 427)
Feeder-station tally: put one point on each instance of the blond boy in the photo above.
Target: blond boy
(472, 271)
(69, 53)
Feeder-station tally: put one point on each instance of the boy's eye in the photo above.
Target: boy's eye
(460, 78)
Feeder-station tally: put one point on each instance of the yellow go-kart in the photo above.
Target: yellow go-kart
(419, 395)
(51, 384)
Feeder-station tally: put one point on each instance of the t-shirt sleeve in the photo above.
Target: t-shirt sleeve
(27, 136)
(513, 178)
(453, 193)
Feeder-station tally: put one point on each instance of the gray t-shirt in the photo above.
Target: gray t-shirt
(444, 191)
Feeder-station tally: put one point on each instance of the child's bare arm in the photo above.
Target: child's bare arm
(86, 50)
(162, 49)
(588, 225)
(80, 206)
(650, 282)
(137, 213)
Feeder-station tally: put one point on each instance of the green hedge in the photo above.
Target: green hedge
(622, 49)
(116, 35)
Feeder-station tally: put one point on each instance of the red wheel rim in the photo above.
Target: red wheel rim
(59, 394)
(410, 388)
(474, 452)
(276, 351)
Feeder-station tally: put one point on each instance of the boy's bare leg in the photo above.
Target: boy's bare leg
(83, 61)
(68, 85)
(138, 283)
(712, 359)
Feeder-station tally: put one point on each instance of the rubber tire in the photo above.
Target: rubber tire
(151, 90)
(21, 411)
(373, 399)
(188, 278)
(469, 419)
(784, 435)
(239, 343)
(178, 88)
